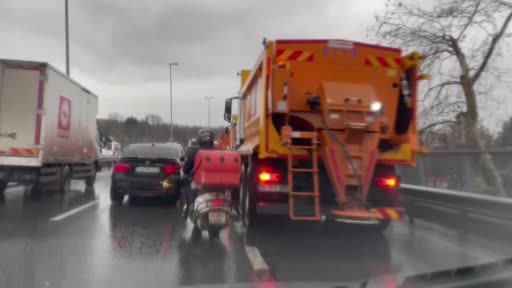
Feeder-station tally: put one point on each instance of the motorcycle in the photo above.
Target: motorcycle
(216, 174)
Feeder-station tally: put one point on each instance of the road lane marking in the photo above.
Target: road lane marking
(257, 262)
(74, 211)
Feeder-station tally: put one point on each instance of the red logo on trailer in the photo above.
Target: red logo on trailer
(64, 121)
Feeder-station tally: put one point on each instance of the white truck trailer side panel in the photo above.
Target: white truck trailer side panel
(19, 95)
(69, 121)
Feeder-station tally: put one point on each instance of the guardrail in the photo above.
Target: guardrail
(475, 213)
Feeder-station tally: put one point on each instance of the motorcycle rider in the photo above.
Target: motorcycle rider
(205, 141)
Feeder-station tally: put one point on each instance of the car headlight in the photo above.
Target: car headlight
(376, 106)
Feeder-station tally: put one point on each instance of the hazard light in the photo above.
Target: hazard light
(268, 177)
(388, 182)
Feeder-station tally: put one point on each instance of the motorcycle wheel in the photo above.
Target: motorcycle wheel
(213, 234)
(196, 233)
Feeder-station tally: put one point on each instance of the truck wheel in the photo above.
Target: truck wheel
(116, 198)
(247, 201)
(65, 180)
(89, 181)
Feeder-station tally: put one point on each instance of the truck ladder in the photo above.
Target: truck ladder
(312, 136)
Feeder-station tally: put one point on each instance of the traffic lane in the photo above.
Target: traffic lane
(142, 243)
(22, 213)
(304, 252)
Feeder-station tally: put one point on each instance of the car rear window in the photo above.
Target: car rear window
(150, 151)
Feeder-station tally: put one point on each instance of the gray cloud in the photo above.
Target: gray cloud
(119, 48)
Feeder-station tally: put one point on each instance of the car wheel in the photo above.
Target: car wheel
(3, 186)
(115, 197)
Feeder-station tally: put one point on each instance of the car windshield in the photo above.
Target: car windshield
(151, 151)
(350, 143)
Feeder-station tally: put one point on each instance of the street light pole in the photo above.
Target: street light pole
(170, 90)
(208, 99)
(67, 35)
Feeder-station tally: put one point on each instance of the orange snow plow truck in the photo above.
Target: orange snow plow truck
(321, 126)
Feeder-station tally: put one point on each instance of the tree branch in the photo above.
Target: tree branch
(432, 125)
(470, 20)
(492, 46)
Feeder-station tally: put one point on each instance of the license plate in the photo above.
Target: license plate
(273, 188)
(217, 218)
(143, 169)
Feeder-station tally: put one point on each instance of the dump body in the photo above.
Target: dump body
(46, 119)
(313, 62)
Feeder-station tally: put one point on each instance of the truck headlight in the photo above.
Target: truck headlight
(376, 106)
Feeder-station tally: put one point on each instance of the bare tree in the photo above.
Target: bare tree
(154, 120)
(458, 39)
(116, 116)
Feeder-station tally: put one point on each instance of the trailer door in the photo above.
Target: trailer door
(20, 101)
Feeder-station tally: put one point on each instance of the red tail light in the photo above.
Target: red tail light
(268, 177)
(217, 202)
(171, 169)
(388, 182)
(121, 168)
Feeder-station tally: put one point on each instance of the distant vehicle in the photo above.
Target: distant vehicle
(147, 170)
(112, 149)
(48, 132)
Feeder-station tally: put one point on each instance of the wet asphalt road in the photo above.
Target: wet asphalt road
(47, 242)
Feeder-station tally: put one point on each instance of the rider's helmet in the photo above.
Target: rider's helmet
(205, 138)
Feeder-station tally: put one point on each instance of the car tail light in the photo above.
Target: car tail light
(388, 182)
(217, 202)
(268, 177)
(171, 169)
(121, 168)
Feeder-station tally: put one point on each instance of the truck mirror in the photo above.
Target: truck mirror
(227, 110)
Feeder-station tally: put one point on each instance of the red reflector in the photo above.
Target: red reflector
(171, 169)
(121, 168)
(265, 176)
(217, 202)
(387, 182)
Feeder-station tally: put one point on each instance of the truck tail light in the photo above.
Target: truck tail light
(268, 177)
(170, 169)
(388, 182)
(121, 168)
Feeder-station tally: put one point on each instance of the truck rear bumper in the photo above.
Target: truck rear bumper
(19, 175)
(383, 213)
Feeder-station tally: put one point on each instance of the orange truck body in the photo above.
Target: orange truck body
(277, 97)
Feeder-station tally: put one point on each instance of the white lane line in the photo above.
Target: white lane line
(257, 262)
(74, 211)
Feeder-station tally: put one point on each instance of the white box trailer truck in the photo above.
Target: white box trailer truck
(48, 132)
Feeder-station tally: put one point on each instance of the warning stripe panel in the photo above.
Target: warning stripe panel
(294, 55)
(389, 213)
(382, 62)
(15, 151)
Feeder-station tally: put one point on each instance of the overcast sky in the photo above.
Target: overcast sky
(120, 48)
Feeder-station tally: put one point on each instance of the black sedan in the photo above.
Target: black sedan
(147, 170)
